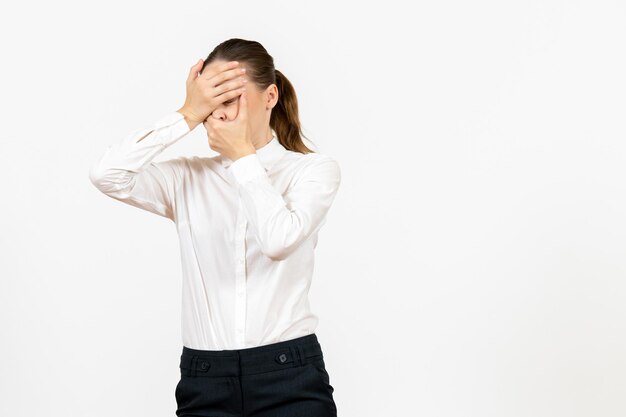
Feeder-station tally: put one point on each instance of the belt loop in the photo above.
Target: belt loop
(294, 355)
(303, 360)
(194, 371)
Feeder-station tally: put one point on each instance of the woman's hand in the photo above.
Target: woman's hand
(206, 91)
(231, 138)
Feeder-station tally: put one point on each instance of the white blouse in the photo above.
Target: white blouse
(247, 230)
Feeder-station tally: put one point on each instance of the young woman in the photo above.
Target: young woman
(248, 222)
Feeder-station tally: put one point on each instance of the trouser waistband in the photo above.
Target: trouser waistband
(237, 362)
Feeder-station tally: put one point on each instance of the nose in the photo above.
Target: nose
(218, 114)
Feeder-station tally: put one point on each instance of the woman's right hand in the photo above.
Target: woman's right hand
(206, 91)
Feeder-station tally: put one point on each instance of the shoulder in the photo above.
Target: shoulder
(304, 160)
(311, 165)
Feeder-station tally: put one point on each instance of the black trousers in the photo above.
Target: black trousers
(284, 379)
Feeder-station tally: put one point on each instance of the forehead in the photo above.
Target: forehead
(219, 64)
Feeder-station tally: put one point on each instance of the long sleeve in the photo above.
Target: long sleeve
(126, 171)
(282, 224)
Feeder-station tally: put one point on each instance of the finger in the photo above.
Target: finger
(212, 124)
(230, 94)
(243, 106)
(193, 72)
(226, 67)
(220, 78)
(232, 85)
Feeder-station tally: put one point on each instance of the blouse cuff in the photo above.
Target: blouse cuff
(246, 168)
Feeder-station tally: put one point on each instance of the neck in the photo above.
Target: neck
(268, 137)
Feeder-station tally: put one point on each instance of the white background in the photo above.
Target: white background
(472, 264)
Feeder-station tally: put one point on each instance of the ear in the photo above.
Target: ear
(272, 96)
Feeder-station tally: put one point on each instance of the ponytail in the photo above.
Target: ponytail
(284, 119)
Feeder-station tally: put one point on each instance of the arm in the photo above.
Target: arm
(126, 172)
(280, 224)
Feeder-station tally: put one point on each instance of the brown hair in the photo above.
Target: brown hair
(260, 69)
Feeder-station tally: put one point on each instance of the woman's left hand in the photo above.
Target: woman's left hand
(231, 138)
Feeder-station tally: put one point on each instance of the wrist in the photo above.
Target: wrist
(190, 118)
(244, 152)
